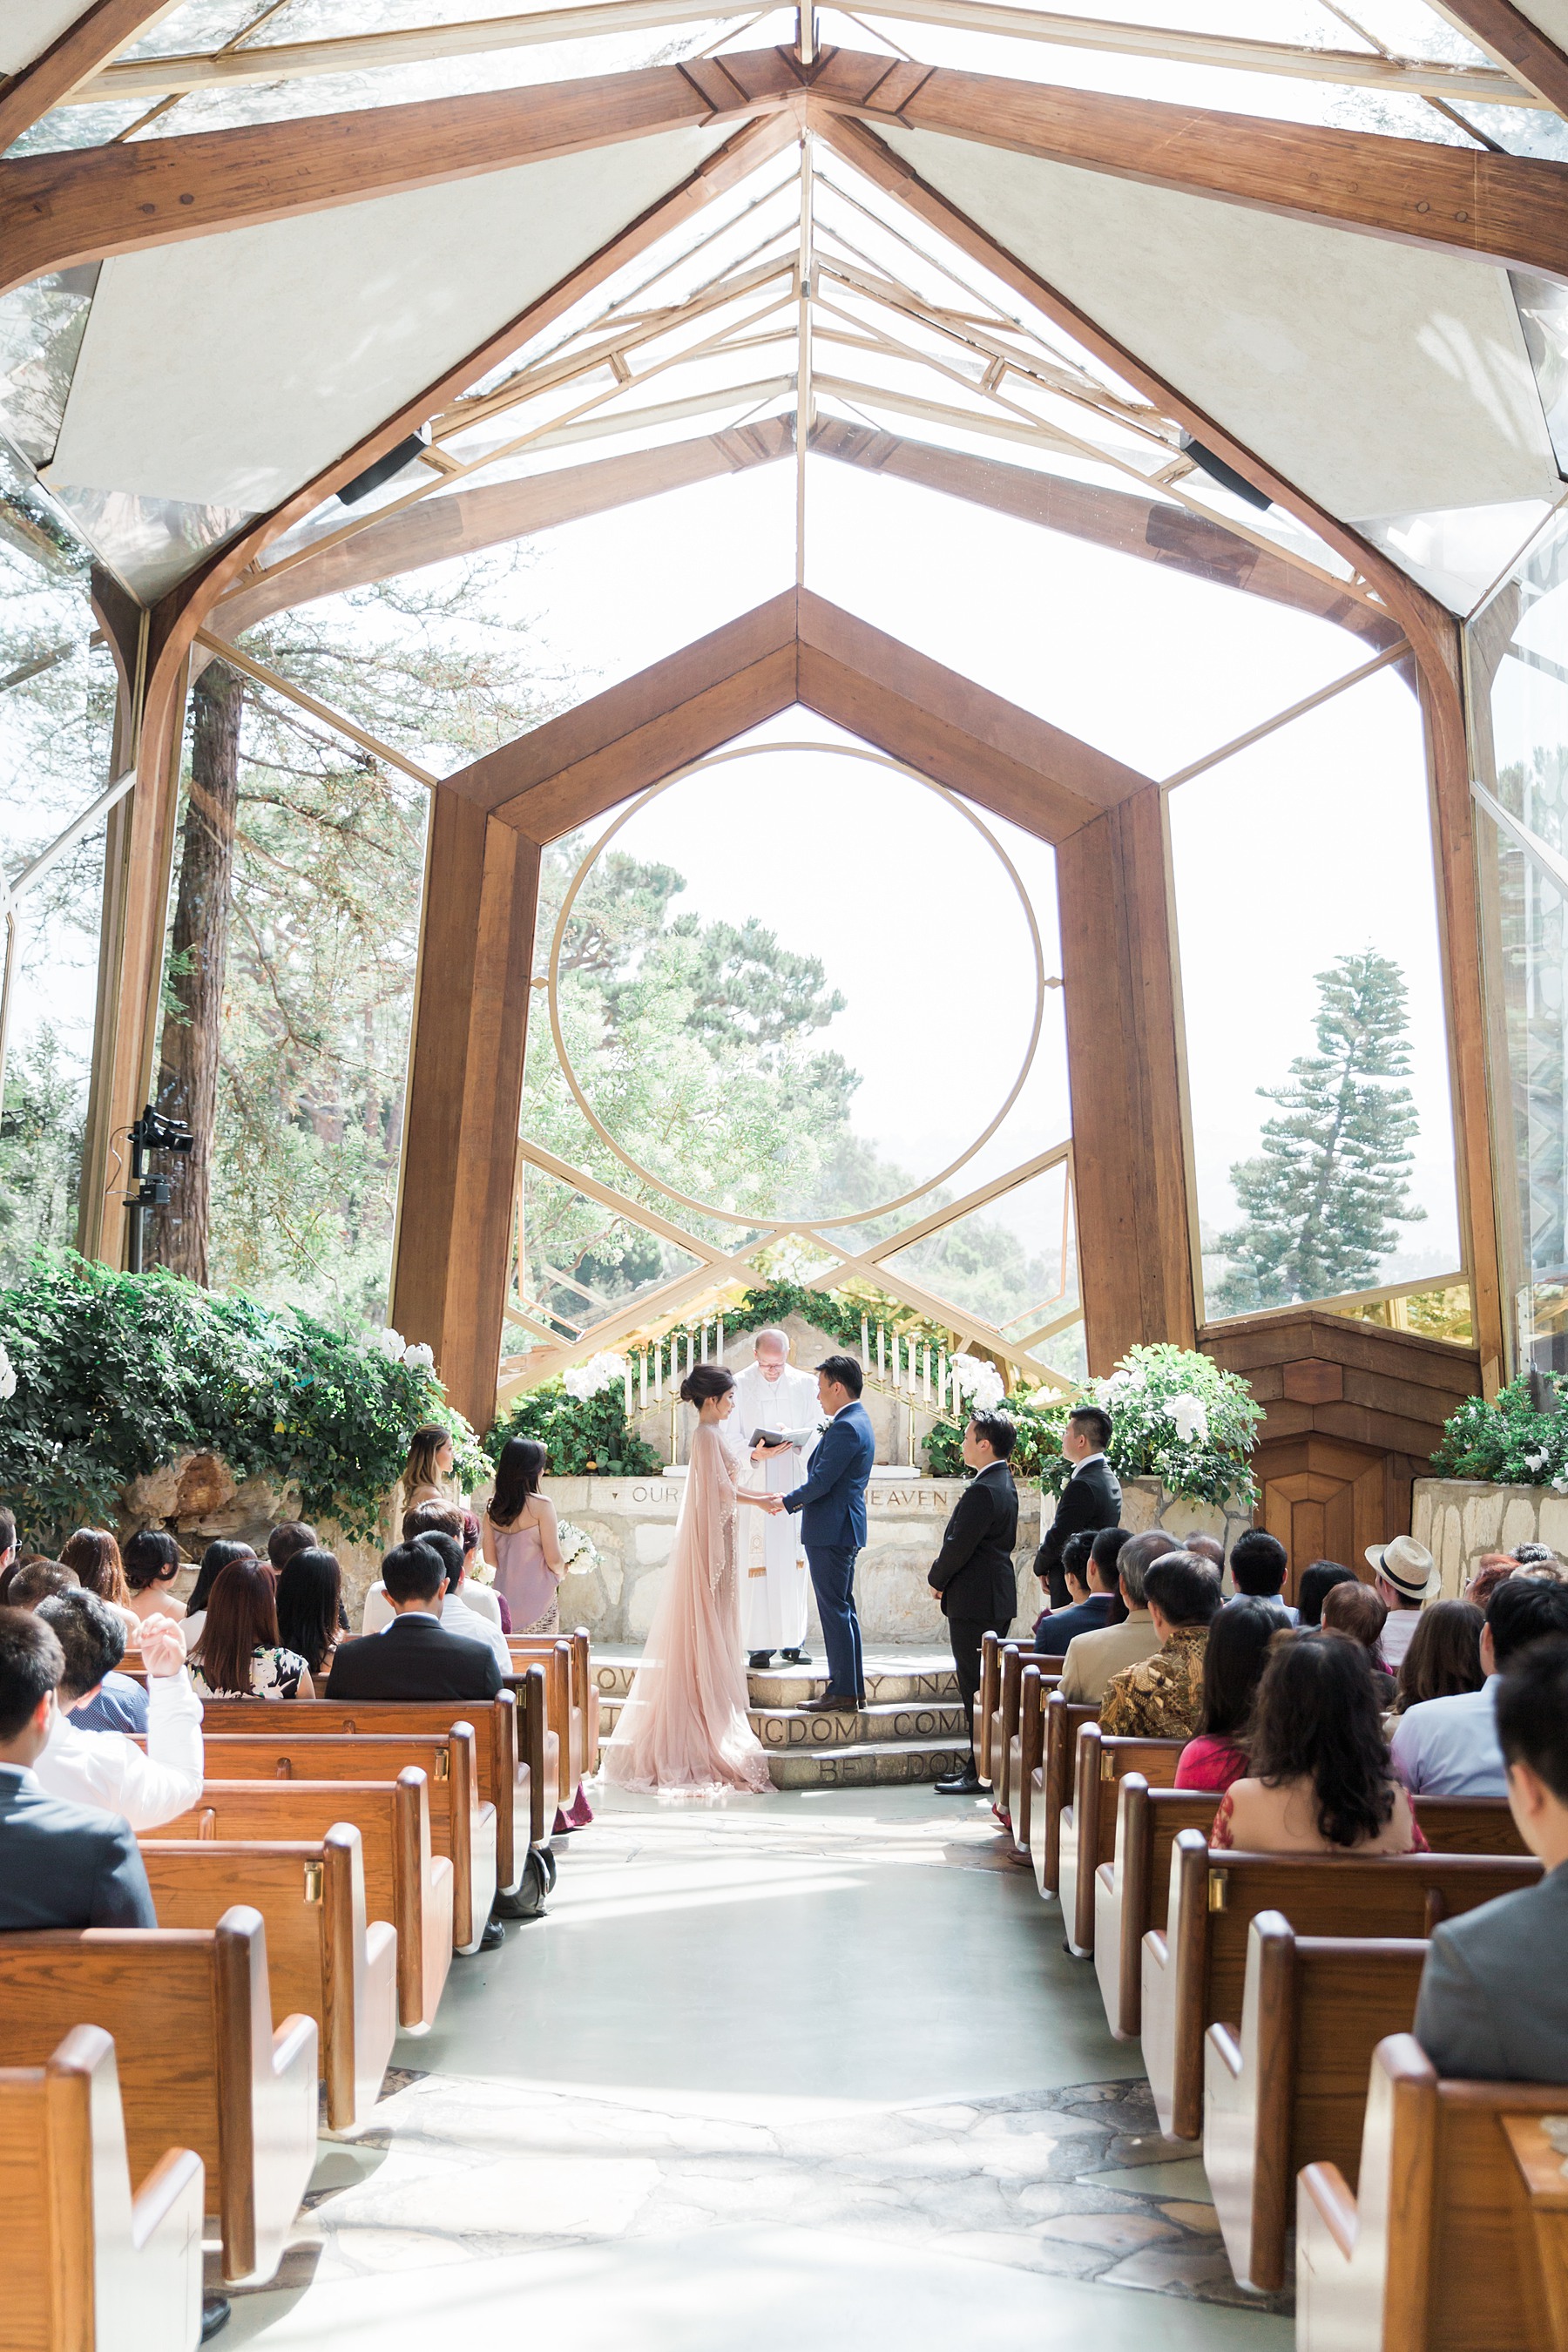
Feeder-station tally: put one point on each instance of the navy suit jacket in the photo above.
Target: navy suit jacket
(415, 1657)
(832, 1499)
(66, 1865)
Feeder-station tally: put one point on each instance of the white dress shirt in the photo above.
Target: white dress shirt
(458, 1618)
(1448, 1746)
(1398, 1633)
(1086, 1462)
(107, 1769)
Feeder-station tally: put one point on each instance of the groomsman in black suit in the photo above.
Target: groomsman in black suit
(973, 1570)
(1091, 1500)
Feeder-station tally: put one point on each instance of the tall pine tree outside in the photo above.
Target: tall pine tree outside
(1322, 1202)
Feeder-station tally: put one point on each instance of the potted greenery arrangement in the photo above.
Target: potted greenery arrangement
(1501, 1478)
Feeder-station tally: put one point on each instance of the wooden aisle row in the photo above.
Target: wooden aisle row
(310, 1906)
(1273, 1996)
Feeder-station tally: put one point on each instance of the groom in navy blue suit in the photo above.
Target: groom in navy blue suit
(832, 1504)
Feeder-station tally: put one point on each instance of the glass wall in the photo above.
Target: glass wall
(1316, 1037)
(1518, 675)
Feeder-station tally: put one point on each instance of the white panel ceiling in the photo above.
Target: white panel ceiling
(1382, 378)
(228, 370)
(1548, 16)
(29, 26)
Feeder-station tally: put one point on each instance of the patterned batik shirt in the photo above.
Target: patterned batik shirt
(1161, 1697)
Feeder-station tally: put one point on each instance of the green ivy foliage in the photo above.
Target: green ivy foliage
(117, 1373)
(1507, 1442)
(582, 1436)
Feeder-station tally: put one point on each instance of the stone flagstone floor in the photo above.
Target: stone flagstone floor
(819, 2052)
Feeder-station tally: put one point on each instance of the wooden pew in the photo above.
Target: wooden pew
(325, 1957)
(1435, 2252)
(1194, 1971)
(1287, 2086)
(1086, 1837)
(515, 1753)
(1015, 1658)
(566, 1686)
(405, 1882)
(92, 2267)
(191, 2014)
(1026, 1757)
(462, 1827)
(1468, 1825)
(1132, 1889)
(1540, 2169)
(984, 1705)
(1062, 1719)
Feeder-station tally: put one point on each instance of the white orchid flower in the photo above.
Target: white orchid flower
(390, 1345)
(7, 1375)
(1189, 1416)
(420, 1357)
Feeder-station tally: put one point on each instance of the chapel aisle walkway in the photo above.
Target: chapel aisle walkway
(807, 2070)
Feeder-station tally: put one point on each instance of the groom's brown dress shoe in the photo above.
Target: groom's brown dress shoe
(831, 1703)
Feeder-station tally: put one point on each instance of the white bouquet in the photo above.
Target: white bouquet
(978, 1380)
(604, 1370)
(578, 1548)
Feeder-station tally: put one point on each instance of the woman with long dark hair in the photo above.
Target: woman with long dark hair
(1317, 1580)
(1319, 1779)
(684, 1730)
(522, 1538)
(92, 1555)
(1234, 1658)
(240, 1654)
(216, 1557)
(310, 1605)
(1444, 1655)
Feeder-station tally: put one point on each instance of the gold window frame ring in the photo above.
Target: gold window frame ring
(758, 750)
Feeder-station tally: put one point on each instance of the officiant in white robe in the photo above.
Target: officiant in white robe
(776, 1586)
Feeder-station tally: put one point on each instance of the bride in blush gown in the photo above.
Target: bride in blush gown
(683, 1731)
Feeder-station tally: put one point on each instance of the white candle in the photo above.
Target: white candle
(881, 1352)
(658, 1371)
(642, 1380)
(925, 1371)
(720, 1346)
(628, 1392)
(865, 1347)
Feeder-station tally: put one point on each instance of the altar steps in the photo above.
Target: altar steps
(910, 1729)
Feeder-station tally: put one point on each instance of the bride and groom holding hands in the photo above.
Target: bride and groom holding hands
(731, 1590)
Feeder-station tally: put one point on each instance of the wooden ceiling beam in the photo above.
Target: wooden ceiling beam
(1506, 33)
(96, 37)
(1511, 209)
(57, 210)
(1149, 528)
(465, 522)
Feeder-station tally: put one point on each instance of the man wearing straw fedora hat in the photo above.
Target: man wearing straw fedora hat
(1407, 1576)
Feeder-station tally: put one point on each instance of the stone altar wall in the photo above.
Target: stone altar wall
(1458, 1519)
(632, 1522)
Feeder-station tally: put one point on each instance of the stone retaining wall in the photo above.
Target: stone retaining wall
(1458, 1519)
(632, 1522)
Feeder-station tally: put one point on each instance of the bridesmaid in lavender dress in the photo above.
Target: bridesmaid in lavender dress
(521, 1538)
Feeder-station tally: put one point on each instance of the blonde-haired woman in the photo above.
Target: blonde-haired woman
(429, 1464)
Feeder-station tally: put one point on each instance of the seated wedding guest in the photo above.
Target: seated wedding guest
(1495, 1568)
(522, 1536)
(972, 1573)
(1488, 2010)
(444, 1519)
(1162, 1698)
(1317, 1780)
(287, 1537)
(218, 1555)
(1259, 1564)
(456, 1614)
(1354, 1612)
(426, 1474)
(62, 1865)
(1233, 1661)
(1537, 1555)
(417, 1656)
(310, 1604)
(1091, 1497)
(93, 1556)
(38, 1580)
(241, 1656)
(1091, 1597)
(1320, 1578)
(105, 1768)
(1106, 1551)
(481, 1596)
(1444, 1655)
(1448, 1746)
(151, 1562)
(1207, 1547)
(1093, 1658)
(1405, 1577)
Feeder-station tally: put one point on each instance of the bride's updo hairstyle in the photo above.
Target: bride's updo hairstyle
(705, 1381)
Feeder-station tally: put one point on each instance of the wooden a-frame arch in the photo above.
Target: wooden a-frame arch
(489, 822)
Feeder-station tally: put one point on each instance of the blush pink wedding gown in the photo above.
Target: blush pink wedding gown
(683, 1729)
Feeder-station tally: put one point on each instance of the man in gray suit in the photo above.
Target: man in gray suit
(62, 1865)
(1494, 1993)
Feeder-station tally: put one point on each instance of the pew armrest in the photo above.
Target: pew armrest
(167, 2207)
(1324, 2195)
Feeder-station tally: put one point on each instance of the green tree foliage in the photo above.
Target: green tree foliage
(1322, 1202)
(40, 1153)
